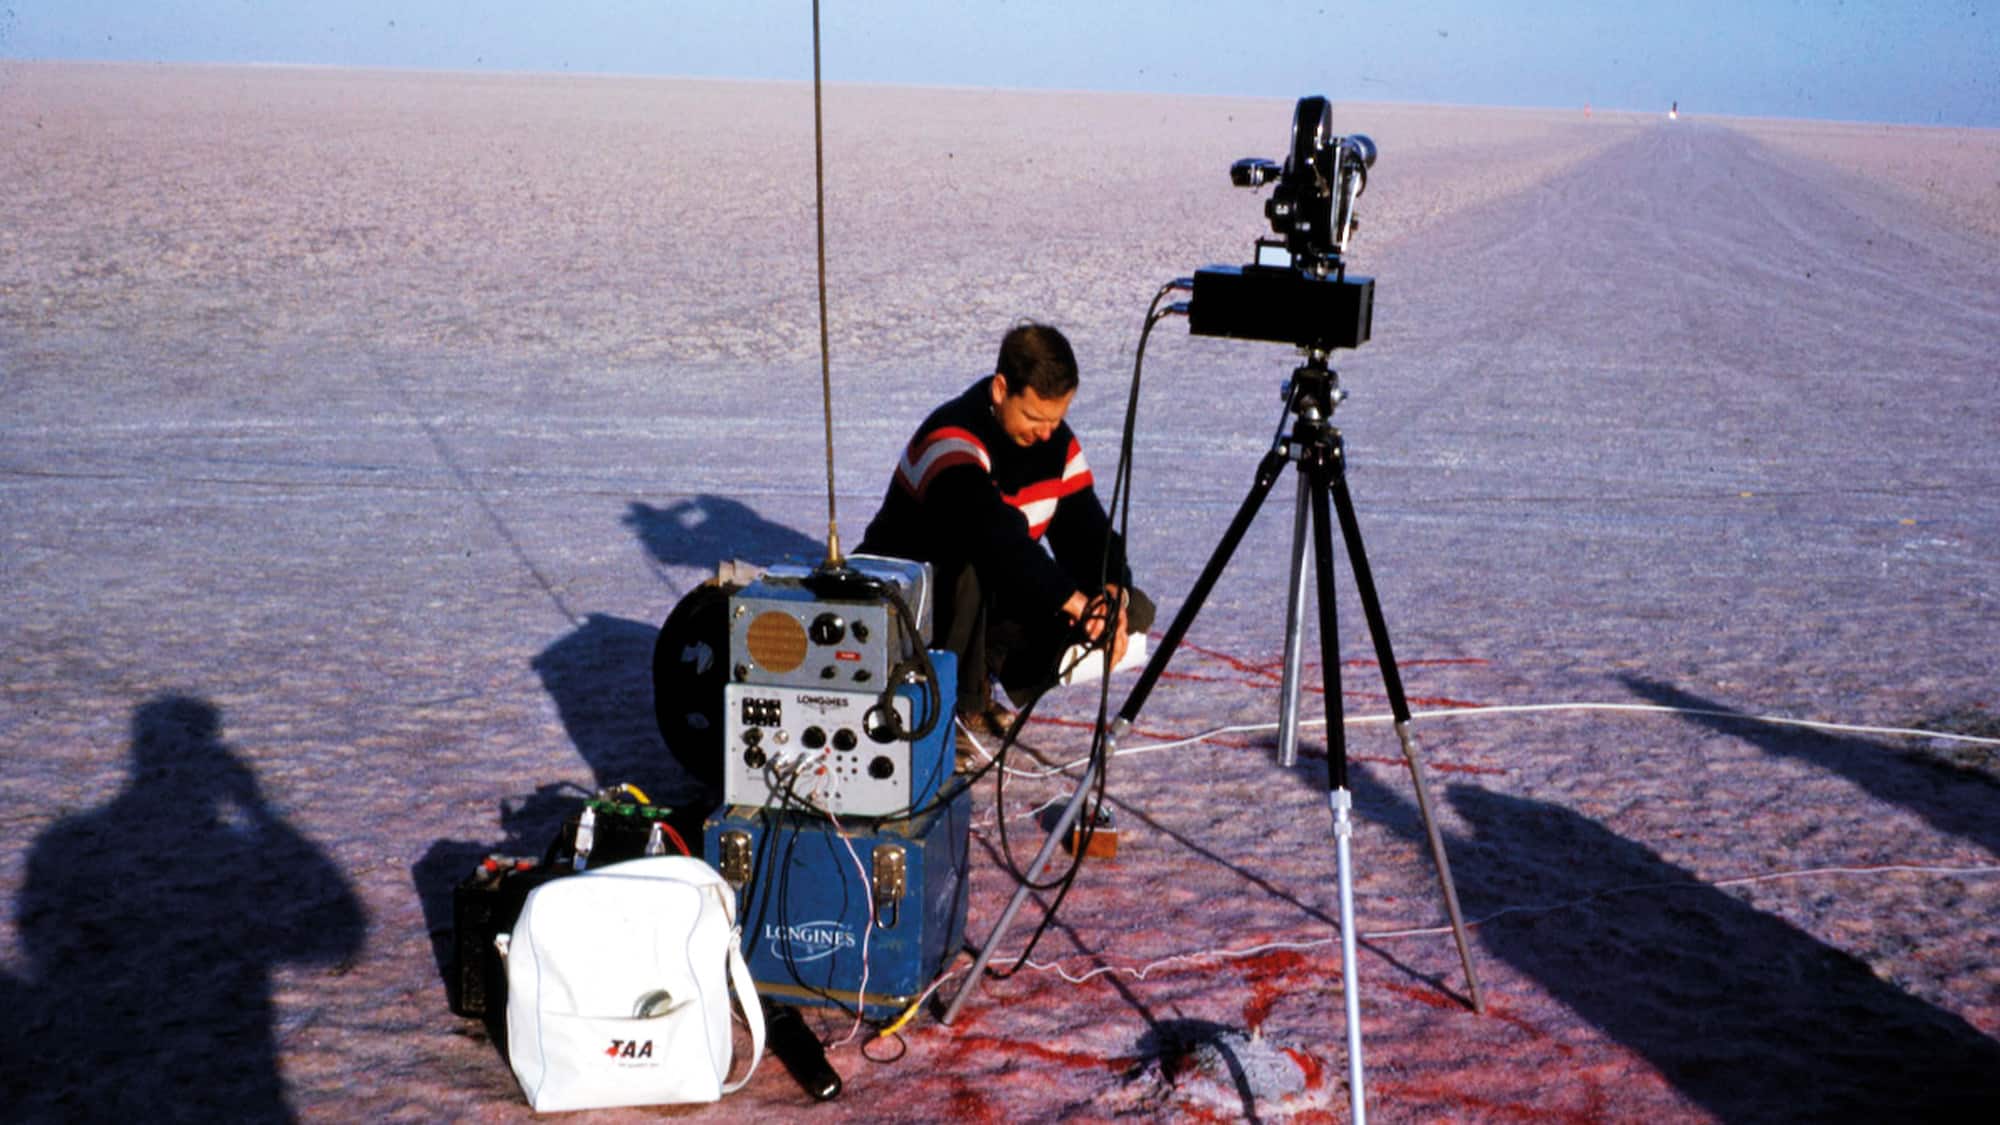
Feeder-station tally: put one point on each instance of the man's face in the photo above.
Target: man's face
(1027, 417)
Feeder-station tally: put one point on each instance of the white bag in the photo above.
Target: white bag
(618, 987)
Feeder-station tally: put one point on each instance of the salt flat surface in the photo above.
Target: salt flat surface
(387, 415)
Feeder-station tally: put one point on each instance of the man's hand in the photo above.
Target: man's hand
(1092, 613)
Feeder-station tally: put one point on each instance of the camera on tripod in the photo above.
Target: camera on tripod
(1297, 291)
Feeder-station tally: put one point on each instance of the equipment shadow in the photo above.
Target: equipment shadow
(1953, 799)
(152, 925)
(600, 677)
(707, 529)
(1748, 1016)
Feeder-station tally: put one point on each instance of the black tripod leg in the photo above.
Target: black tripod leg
(1392, 681)
(1329, 627)
(1267, 474)
(1371, 606)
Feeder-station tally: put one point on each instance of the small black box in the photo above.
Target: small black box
(1282, 305)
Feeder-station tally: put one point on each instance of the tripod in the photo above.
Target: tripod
(1316, 448)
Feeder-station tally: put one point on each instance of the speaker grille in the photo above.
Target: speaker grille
(776, 640)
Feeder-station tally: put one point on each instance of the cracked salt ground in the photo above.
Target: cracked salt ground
(407, 520)
(1203, 1069)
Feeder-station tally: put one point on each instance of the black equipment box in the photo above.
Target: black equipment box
(1282, 305)
(484, 905)
(812, 924)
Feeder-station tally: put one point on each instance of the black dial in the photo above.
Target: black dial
(828, 629)
(880, 724)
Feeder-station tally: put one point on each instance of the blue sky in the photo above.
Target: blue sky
(1922, 61)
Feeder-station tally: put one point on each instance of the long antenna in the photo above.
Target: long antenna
(833, 558)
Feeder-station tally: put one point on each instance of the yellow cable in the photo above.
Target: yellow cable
(909, 1014)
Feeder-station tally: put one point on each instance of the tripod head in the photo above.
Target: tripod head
(1312, 394)
(1314, 390)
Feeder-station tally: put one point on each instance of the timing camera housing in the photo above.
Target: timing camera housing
(1306, 299)
(1282, 305)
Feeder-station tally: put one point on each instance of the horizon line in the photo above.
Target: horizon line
(1585, 107)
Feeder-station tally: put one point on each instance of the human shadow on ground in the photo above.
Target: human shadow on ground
(1748, 1016)
(1953, 799)
(707, 529)
(152, 925)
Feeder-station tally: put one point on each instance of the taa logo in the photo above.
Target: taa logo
(630, 1049)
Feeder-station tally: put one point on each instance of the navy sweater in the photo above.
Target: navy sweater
(964, 493)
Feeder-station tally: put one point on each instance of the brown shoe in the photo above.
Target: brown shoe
(993, 720)
(988, 725)
(969, 756)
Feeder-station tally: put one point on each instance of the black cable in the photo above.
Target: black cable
(781, 892)
(917, 661)
(1120, 515)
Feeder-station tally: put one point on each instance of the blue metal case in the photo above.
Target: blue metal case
(812, 922)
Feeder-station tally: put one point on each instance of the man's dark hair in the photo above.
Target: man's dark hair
(1036, 355)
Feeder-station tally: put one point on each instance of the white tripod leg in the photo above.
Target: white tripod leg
(1342, 803)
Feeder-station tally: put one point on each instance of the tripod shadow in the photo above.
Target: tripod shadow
(1402, 819)
(152, 925)
(1953, 799)
(1263, 884)
(708, 529)
(1378, 803)
(1750, 1017)
(1167, 1047)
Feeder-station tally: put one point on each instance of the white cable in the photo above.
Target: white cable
(867, 928)
(979, 748)
(1537, 708)
(1153, 748)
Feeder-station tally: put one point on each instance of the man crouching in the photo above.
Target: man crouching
(989, 476)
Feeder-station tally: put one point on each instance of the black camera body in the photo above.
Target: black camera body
(1306, 298)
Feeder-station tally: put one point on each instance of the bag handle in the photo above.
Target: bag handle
(753, 1009)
